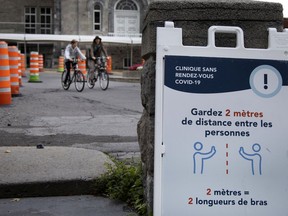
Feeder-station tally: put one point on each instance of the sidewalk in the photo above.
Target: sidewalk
(59, 179)
(125, 76)
(64, 206)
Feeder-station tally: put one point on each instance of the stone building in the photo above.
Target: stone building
(113, 18)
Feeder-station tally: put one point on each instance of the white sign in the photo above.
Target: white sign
(221, 135)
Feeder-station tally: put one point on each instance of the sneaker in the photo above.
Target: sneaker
(65, 85)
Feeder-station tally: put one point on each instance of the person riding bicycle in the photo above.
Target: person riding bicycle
(72, 52)
(97, 50)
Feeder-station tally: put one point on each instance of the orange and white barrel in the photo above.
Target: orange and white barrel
(109, 64)
(5, 86)
(82, 67)
(23, 65)
(82, 64)
(34, 67)
(40, 61)
(61, 64)
(14, 74)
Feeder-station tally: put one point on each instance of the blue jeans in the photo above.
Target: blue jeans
(68, 68)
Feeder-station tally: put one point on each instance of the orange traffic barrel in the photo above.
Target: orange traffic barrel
(5, 86)
(40, 61)
(23, 65)
(109, 64)
(34, 67)
(82, 67)
(82, 64)
(61, 64)
(14, 74)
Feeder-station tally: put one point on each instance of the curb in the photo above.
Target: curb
(52, 171)
(124, 79)
(44, 189)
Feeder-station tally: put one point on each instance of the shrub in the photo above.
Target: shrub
(123, 182)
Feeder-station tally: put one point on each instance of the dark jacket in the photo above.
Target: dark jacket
(97, 50)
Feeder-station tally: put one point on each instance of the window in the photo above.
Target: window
(126, 5)
(126, 62)
(45, 17)
(45, 21)
(97, 17)
(30, 20)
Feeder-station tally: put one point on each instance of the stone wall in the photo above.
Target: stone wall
(12, 14)
(195, 17)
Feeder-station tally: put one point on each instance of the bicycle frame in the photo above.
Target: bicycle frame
(77, 77)
(75, 69)
(101, 63)
(99, 72)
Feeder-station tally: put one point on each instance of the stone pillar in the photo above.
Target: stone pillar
(195, 17)
(57, 16)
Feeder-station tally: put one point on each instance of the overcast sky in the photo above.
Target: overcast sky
(284, 3)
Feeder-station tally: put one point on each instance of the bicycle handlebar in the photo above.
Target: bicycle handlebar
(76, 60)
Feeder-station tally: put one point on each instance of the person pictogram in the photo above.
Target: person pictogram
(199, 157)
(255, 158)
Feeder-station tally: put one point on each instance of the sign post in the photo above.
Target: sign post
(220, 126)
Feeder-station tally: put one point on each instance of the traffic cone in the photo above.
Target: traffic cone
(34, 67)
(5, 86)
(14, 73)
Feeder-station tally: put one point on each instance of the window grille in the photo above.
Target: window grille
(30, 20)
(46, 21)
(97, 17)
(126, 5)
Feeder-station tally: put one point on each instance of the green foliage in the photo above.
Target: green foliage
(123, 182)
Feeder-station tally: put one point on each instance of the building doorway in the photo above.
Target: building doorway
(127, 18)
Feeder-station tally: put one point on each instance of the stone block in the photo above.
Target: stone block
(195, 17)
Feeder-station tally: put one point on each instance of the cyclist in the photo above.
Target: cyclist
(72, 52)
(97, 50)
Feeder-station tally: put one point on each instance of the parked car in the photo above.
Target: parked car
(136, 67)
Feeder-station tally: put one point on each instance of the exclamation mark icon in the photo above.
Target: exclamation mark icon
(265, 81)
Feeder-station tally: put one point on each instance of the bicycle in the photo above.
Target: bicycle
(78, 77)
(100, 73)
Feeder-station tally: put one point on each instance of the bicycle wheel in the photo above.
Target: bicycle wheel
(79, 81)
(90, 79)
(104, 80)
(67, 85)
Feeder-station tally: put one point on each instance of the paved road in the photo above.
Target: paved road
(95, 119)
(74, 128)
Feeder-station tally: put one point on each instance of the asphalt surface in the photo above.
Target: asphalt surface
(64, 206)
(46, 179)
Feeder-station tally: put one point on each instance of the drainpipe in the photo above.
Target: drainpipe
(131, 52)
(78, 24)
(25, 50)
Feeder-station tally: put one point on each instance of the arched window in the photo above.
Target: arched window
(126, 18)
(97, 17)
(126, 5)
